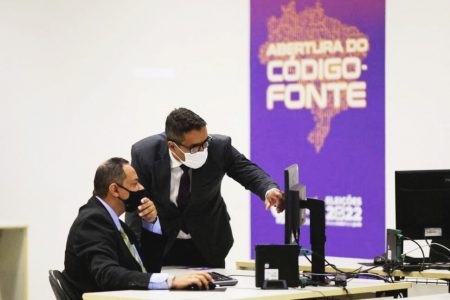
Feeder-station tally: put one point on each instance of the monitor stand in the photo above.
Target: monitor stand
(316, 209)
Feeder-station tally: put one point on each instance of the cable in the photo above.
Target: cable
(310, 261)
(347, 292)
(420, 247)
(352, 274)
(415, 249)
(431, 248)
(439, 252)
(367, 270)
(328, 263)
(440, 245)
(374, 275)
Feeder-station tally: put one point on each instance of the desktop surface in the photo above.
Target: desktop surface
(354, 264)
(245, 289)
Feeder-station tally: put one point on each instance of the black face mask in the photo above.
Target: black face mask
(134, 200)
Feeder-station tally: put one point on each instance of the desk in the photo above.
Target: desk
(351, 265)
(13, 262)
(431, 297)
(344, 264)
(246, 289)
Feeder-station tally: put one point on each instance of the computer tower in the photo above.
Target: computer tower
(394, 247)
(277, 262)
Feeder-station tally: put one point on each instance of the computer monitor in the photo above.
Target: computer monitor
(295, 205)
(422, 203)
(294, 215)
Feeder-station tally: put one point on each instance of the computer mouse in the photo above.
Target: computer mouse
(211, 286)
(194, 287)
(379, 260)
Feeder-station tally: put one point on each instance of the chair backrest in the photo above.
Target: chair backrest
(62, 289)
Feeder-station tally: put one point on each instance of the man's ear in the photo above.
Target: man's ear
(113, 190)
(171, 145)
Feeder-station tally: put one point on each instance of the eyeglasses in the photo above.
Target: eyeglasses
(194, 148)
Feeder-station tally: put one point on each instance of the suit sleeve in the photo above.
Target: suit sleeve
(136, 162)
(247, 173)
(97, 246)
(151, 243)
(152, 251)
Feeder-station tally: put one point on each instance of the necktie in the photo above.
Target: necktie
(132, 250)
(184, 192)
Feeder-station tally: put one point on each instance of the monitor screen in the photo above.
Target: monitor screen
(422, 203)
(294, 215)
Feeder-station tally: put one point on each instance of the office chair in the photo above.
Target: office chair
(62, 288)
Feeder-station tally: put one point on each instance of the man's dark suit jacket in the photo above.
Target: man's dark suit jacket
(206, 215)
(97, 258)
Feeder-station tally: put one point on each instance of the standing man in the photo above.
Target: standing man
(182, 171)
(103, 254)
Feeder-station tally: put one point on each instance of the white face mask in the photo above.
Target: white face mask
(194, 160)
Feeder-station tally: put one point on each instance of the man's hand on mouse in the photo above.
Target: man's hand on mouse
(200, 279)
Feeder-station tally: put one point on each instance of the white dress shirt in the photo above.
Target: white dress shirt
(175, 176)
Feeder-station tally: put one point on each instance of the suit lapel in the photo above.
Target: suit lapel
(125, 251)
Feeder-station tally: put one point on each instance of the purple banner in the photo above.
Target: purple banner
(317, 99)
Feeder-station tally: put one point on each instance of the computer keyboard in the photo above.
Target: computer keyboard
(223, 280)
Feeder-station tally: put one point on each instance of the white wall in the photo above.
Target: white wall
(417, 90)
(82, 80)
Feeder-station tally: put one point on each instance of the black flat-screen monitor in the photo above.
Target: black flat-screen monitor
(294, 215)
(422, 204)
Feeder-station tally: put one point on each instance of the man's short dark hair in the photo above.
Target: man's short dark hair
(180, 121)
(109, 172)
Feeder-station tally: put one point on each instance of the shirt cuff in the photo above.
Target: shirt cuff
(265, 196)
(155, 227)
(160, 281)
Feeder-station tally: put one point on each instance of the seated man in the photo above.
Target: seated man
(102, 253)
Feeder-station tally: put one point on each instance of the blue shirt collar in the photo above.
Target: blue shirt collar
(111, 212)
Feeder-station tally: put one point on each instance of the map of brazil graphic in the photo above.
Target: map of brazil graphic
(317, 99)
